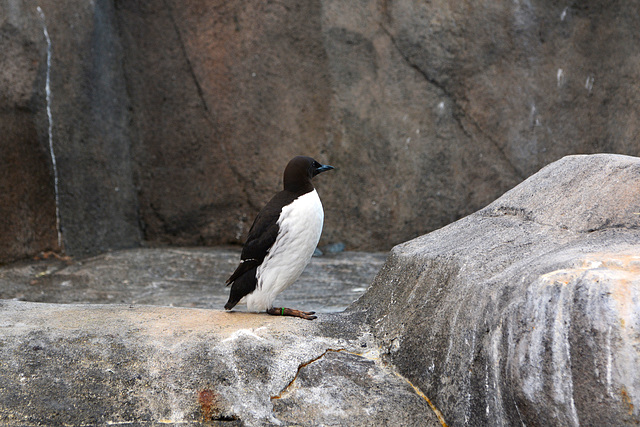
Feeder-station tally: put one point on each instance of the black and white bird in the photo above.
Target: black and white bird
(281, 242)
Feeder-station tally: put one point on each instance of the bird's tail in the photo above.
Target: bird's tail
(241, 286)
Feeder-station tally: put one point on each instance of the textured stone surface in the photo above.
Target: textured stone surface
(317, 394)
(185, 277)
(534, 78)
(224, 94)
(27, 205)
(522, 313)
(428, 110)
(90, 131)
(124, 362)
(100, 364)
(526, 311)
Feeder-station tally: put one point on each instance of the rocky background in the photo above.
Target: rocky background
(170, 122)
(523, 313)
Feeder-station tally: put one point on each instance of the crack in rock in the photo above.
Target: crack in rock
(419, 392)
(388, 368)
(303, 365)
(185, 54)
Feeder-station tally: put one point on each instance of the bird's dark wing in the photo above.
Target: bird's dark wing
(244, 267)
(264, 231)
(262, 235)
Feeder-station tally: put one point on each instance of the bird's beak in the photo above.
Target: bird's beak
(323, 168)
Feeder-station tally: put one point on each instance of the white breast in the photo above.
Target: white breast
(300, 227)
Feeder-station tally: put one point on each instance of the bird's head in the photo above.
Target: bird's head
(300, 170)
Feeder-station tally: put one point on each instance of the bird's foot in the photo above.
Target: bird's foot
(283, 311)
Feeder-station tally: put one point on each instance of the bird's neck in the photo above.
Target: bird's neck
(298, 186)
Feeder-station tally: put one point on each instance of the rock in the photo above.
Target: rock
(374, 398)
(524, 312)
(181, 277)
(519, 76)
(172, 122)
(90, 131)
(103, 364)
(241, 86)
(380, 92)
(27, 203)
(76, 362)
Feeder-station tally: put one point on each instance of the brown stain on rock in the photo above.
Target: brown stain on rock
(212, 407)
(208, 401)
(627, 400)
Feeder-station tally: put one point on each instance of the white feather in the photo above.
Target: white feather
(300, 227)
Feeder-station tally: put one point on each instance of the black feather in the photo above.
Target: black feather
(264, 231)
(243, 268)
(243, 285)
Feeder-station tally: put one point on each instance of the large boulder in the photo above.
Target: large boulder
(525, 312)
(172, 121)
(121, 364)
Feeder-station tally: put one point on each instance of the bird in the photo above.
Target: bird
(281, 242)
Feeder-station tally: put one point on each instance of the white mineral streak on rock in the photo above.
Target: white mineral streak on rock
(50, 119)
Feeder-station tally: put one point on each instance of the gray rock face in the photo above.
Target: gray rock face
(87, 111)
(526, 311)
(99, 364)
(317, 394)
(27, 204)
(429, 111)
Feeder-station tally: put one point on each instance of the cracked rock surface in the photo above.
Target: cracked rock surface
(99, 364)
(375, 397)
